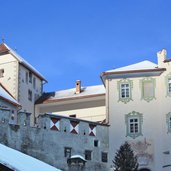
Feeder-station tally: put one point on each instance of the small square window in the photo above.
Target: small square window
(96, 143)
(30, 77)
(67, 152)
(1, 72)
(88, 154)
(73, 116)
(30, 95)
(34, 82)
(26, 77)
(104, 157)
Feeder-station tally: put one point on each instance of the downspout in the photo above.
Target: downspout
(107, 107)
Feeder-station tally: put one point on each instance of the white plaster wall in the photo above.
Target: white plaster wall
(28, 105)
(91, 114)
(154, 127)
(87, 110)
(10, 79)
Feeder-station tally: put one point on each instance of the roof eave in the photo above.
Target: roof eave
(133, 71)
(120, 74)
(70, 98)
(13, 103)
(38, 75)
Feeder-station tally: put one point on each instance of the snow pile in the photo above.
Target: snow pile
(144, 65)
(18, 161)
(7, 96)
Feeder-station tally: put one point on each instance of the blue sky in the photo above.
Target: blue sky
(67, 40)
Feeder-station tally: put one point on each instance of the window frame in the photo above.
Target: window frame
(134, 115)
(96, 143)
(67, 152)
(148, 80)
(30, 77)
(88, 155)
(129, 88)
(34, 82)
(1, 73)
(168, 77)
(104, 157)
(26, 77)
(168, 122)
(30, 95)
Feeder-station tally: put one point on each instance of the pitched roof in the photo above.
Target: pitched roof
(16, 160)
(89, 91)
(141, 67)
(6, 49)
(4, 94)
(144, 65)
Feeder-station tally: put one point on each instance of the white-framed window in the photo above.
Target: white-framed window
(133, 122)
(125, 90)
(134, 125)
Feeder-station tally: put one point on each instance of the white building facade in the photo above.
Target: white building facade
(138, 106)
(22, 81)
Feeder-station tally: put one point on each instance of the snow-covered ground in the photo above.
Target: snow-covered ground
(18, 161)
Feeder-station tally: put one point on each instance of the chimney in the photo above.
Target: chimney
(161, 56)
(78, 87)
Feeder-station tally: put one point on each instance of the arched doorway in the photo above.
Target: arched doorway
(144, 170)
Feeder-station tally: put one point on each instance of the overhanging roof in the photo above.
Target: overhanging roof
(6, 49)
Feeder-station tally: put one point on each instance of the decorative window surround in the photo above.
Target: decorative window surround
(168, 121)
(147, 92)
(168, 85)
(133, 121)
(122, 86)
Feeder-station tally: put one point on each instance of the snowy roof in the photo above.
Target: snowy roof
(70, 93)
(21, 162)
(144, 65)
(77, 156)
(6, 96)
(5, 47)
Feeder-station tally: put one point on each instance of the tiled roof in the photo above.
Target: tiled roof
(70, 93)
(6, 49)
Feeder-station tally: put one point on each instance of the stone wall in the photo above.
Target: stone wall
(46, 141)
